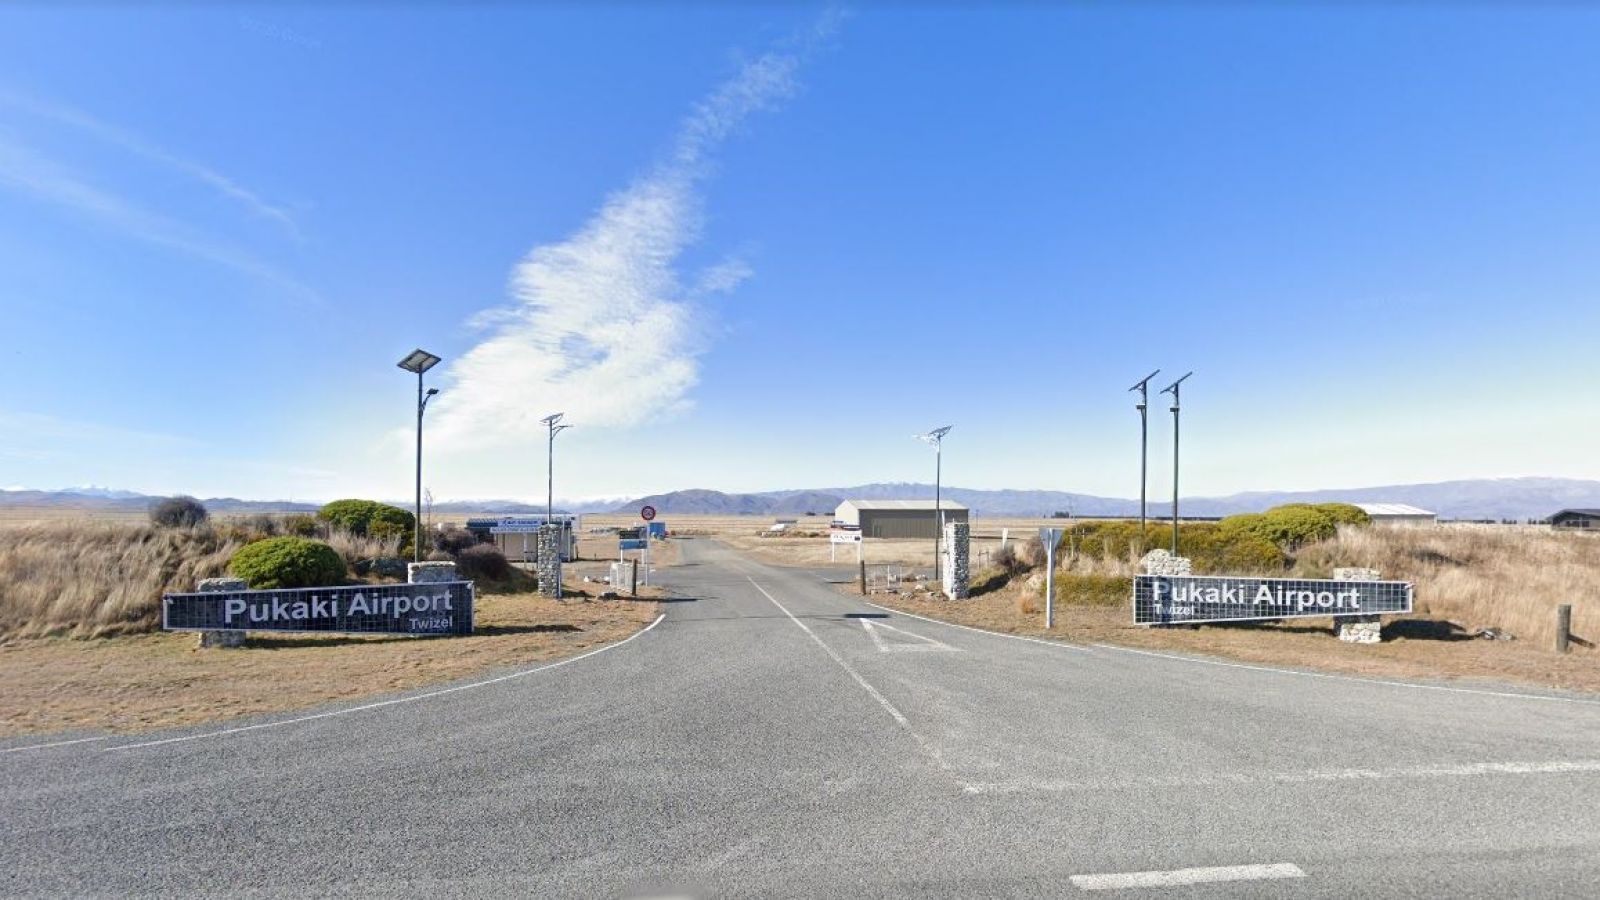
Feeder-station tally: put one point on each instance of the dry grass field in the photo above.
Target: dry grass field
(141, 681)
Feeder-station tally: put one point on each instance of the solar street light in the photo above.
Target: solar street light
(935, 438)
(1143, 387)
(1173, 390)
(550, 498)
(420, 361)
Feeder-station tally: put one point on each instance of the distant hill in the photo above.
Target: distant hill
(1480, 498)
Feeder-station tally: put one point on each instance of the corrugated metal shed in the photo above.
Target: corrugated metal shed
(898, 518)
(1397, 513)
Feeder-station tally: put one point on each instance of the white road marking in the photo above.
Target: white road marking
(55, 744)
(1216, 779)
(382, 703)
(883, 701)
(897, 647)
(1177, 877)
(1015, 637)
(1582, 701)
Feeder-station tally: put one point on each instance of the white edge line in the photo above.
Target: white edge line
(1178, 877)
(1356, 678)
(1014, 637)
(102, 737)
(382, 703)
(930, 643)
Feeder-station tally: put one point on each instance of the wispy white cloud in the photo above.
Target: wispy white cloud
(603, 327)
(27, 172)
(221, 184)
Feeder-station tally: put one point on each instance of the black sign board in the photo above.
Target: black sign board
(1160, 599)
(439, 608)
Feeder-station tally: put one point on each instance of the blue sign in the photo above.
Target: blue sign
(631, 544)
(657, 529)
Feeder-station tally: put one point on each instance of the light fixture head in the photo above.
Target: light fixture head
(432, 391)
(419, 361)
(551, 419)
(1173, 387)
(1142, 383)
(935, 436)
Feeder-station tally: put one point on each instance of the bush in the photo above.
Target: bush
(360, 516)
(1007, 560)
(1288, 526)
(178, 512)
(302, 525)
(287, 562)
(1344, 513)
(483, 562)
(1092, 590)
(454, 540)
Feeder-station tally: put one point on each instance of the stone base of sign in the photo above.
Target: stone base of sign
(957, 569)
(430, 572)
(548, 565)
(221, 639)
(1357, 629)
(1160, 562)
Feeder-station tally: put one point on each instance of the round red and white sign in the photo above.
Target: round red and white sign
(648, 513)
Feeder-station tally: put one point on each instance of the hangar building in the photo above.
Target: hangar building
(897, 518)
(1398, 514)
(1576, 518)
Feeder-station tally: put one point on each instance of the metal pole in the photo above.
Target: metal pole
(1174, 473)
(550, 485)
(938, 508)
(417, 550)
(1050, 583)
(1144, 456)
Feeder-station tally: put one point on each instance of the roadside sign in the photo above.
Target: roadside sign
(631, 544)
(648, 513)
(438, 608)
(844, 537)
(1199, 598)
(1050, 538)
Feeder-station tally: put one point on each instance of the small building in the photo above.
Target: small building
(898, 518)
(1397, 514)
(1576, 518)
(517, 536)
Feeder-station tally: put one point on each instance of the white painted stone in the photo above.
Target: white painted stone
(1357, 629)
(1160, 562)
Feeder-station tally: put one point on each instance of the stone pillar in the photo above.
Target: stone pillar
(548, 565)
(1357, 629)
(221, 586)
(1160, 562)
(956, 560)
(430, 572)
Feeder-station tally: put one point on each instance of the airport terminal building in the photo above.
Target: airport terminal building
(897, 518)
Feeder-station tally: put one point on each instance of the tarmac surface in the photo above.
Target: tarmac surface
(770, 736)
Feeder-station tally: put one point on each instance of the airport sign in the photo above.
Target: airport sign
(1166, 599)
(420, 609)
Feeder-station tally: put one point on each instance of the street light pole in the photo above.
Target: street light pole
(1143, 387)
(936, 438)
(419, 361)
(550, 486)
(1173, 390)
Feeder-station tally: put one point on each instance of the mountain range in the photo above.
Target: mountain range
(1481, 498)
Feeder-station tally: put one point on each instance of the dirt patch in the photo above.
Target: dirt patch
(1413, 647)
(144, 681)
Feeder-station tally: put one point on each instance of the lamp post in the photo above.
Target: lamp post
(1143, 387)
(420, 361)
(1173, 390)
(550, 497)
(936, 439)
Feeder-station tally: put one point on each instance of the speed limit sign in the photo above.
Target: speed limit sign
(648, 513)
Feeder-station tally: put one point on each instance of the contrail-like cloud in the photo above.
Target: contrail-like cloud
(602, 326)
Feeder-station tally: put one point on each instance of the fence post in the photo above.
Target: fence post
(1563, 626)
(634, 587)
(863, 578)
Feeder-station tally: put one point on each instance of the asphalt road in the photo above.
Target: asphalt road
(764, 739)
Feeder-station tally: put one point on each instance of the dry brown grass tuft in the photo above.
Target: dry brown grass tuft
(1505, 577)
(93, 578)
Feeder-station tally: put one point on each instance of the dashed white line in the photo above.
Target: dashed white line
(1180, 877)
(382, 703)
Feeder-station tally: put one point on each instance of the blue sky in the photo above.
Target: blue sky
(755, 248)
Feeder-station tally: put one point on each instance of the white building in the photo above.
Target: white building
(1397, 514)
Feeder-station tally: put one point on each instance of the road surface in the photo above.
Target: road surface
(767, 738)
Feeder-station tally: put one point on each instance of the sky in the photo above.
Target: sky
(751, 247)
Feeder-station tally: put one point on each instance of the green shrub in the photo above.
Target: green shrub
(1216, 548)
(178, 512)
(360, 516)
(1344, 513)
(483, 562)
(454, 540)
(287, 562)
(1093, 590)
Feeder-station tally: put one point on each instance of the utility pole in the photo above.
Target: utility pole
(1173, 390)
(1143, 387)
(550, 471)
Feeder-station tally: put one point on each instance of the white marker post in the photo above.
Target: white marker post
(1049, 537)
